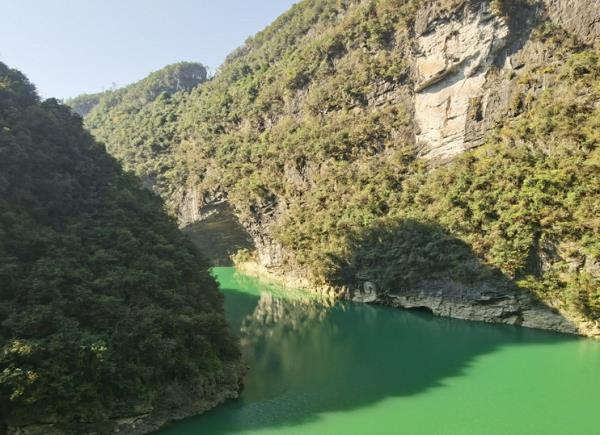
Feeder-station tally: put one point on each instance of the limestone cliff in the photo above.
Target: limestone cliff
(465, 64)
(454, 56)
(580, 17)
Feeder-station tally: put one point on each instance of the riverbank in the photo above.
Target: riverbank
(287, 279)
(150, 419)
(488, 304)
(357, 368)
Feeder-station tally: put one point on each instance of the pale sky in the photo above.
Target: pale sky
(68, 47)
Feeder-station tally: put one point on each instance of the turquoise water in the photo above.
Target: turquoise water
(359, 369)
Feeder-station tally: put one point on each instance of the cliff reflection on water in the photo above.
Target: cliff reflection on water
(277, 324)
(276, 317)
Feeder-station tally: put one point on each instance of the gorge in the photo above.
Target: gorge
(376, 214)
(456, 139)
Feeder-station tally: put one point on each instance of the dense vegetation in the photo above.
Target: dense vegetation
(529, 200)
(308, 130)
(171, 79)
(143, 117)
(105, 307)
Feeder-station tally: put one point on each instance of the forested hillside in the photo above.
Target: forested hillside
(143, 118)
(106, 310)
(316, 131)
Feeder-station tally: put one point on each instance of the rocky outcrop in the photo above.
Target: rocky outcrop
(367, 294)
(465, 64)
(454, 55)
(486, 304)
(218, 233)
(189, 203)
(579, 17)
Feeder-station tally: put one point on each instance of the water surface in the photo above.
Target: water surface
(359, 369)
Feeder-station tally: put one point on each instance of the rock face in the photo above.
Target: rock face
(580, 17)
(464, 64)
(189, 207)
(454, 55)
(487, 304)
(218, 234)
(367, 294)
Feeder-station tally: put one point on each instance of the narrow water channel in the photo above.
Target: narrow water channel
(360, 369)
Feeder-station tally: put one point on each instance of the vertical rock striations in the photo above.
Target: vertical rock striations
(454, 55)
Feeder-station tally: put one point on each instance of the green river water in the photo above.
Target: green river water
(360, 369)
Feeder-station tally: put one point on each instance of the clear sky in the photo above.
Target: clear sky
(67, 47)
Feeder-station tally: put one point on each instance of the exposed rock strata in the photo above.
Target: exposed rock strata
(491, 305)
(450, 300)
(453, 58)
(465, 63)
(485, 303)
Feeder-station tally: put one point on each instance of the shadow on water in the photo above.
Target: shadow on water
(307, 358)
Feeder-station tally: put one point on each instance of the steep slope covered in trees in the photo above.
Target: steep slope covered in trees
(344, 121)
(108, 316)
(142, 117)
(182, 76)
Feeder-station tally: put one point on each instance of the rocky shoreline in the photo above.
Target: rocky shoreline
(147, 419)
(509, 308)
(472, 68)
(490, 304)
